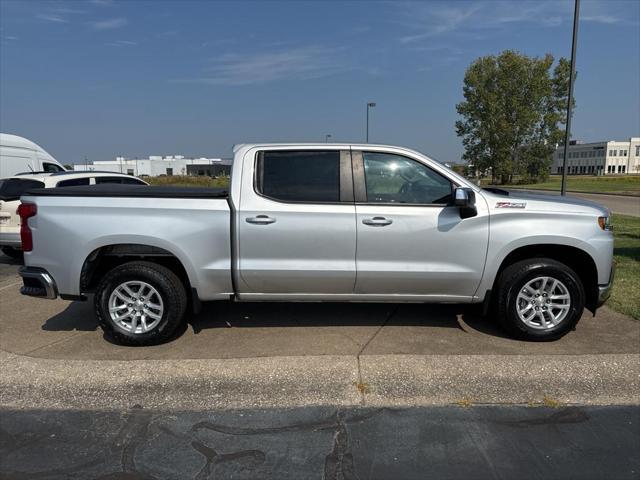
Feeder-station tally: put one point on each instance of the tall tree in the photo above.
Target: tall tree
(513, 110)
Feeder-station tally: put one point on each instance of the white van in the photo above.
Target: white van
(19, 155)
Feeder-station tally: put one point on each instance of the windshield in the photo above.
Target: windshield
(13, 188)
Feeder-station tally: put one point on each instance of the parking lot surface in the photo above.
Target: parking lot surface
(331, 391)
(68, 330)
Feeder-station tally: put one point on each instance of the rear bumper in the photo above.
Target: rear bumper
(604, 291)
(38, 283)
(10, 239)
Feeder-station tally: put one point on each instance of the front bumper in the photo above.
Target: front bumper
(37, 283)
(604, 291)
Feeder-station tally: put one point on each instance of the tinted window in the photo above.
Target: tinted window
(125, 180)
(396, 179)
(13, 188)
(299, 176)
(51, 167)
(73, 182)
(132, 181)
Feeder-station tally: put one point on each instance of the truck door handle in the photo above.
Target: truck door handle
(377, 221)
(261, 220)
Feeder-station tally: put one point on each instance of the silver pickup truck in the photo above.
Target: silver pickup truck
(317, 222)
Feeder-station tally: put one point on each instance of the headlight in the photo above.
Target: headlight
(605, 223)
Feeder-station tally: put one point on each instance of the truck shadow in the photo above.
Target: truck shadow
(79, 316)
(465, 318)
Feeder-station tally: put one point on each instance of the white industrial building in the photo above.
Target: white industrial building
(157, 165)
(599, 158)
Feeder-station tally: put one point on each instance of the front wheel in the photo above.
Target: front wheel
(539, 299)
(140, 303)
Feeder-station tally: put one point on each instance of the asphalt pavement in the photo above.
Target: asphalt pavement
(441, 443)
(335, 391)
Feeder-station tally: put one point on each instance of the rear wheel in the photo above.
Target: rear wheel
(539, 299)
(140, 303)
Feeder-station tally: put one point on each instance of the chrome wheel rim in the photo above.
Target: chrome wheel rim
(136, 307)
(543, 303)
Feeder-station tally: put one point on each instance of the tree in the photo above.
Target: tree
(512, 112)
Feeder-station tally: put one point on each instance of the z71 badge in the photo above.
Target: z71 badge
(511, 204)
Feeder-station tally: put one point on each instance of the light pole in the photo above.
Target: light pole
(369, 105)
(327, 137)
(572, 74)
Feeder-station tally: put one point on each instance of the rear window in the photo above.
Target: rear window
(13, 188)
(123, 180)
(299, 176)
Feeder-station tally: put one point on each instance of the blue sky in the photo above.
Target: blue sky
(103, 78)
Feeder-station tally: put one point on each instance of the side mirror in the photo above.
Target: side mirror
(465, 199)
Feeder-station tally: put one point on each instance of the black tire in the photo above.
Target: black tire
(516, 276)
(166, 283)
(13, 253)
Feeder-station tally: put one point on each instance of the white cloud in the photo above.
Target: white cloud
(296, 63)
(122, 43)
(52, 17)
(426, 20)
(109, 24)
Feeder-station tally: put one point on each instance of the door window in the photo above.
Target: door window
(396, 179)
(299, 176)
(74, 182)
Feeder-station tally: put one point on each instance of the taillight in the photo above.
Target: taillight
(26, 211)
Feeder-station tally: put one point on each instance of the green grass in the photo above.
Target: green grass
(189, 181)
(625, 297)
(627, 185)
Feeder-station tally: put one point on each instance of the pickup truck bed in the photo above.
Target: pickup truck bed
(130, 191)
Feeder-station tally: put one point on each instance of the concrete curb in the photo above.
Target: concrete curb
(270, 382)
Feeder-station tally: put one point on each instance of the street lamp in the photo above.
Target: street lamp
(572, 74)
(369, 105)
(327, 137)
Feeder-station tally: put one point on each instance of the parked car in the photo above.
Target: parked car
(318, 222)
(13, 187)
(17, 154)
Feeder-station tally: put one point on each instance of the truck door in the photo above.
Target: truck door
(411, 240)
(296, 222)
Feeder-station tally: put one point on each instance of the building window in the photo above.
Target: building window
(624, 169)
(559, 169)
(169, 172)
(624, 154)
(129, 171)
(611, 153)
(637, 150)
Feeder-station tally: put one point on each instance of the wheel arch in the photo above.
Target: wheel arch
(105, 258)
(575, 258)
